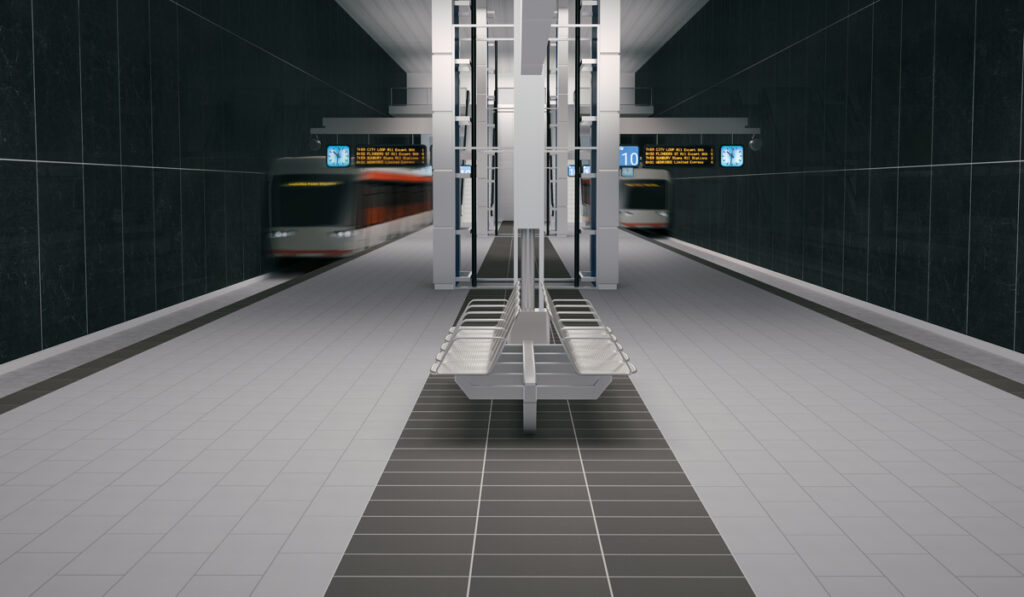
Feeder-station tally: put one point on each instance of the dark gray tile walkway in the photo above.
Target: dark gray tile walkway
(593, 504)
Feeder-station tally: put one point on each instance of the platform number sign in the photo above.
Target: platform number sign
(629, 156)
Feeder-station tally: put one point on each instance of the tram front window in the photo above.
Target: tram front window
(645, 195)
(304, 200)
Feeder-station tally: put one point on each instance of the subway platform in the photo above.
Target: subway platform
(296, 445)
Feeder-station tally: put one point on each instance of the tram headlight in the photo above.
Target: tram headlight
(341, 233)
(663, 214)
(625, 212)
(281, 234)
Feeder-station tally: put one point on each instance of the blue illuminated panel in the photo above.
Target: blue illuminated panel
(338, 156)
(732, 156)
(572, 169)
(629, 156)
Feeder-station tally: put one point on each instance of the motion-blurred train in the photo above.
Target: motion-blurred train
(643, 199)
(316, 211)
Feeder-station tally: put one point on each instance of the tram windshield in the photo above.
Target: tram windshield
(644, 195)
(311, 200)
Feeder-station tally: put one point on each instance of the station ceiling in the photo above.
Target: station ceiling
(402, 27)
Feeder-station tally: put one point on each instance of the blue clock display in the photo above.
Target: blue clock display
(732, 156)
(338, 156)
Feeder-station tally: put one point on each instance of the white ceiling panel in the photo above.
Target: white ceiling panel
(649, 24)
(402, 27)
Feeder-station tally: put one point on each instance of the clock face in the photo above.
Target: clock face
(732, 156)
(338, 156)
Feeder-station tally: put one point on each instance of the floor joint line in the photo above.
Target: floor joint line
(479, 500)
(590, 502)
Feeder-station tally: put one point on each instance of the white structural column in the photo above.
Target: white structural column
(606, 209)
(532, 27)
(564, 133)
(483, 139)
(443, 154)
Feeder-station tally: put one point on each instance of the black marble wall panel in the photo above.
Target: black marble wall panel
(100, 95)
(947, 259)
(915, 94)
(193, 233)
(234, 220)
(855, 234)
(995, 194)
(156, 121)
(953, 93)
(17, 119)
(892, 149)
(61, 253)
(104, 246)
(19, 267)
(139, 241)
(882, 233)
(164, 72)
(168, 245)
(136, 98)
(254, 215)
(215, 230)
(885, 85)
(57, 81)
(912, 228)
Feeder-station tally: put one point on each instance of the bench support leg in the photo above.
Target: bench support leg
(529, 388)
(530, 412)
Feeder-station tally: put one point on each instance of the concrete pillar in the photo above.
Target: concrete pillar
(564, 136)
(483, 138)
(607, 167)
(443, 118)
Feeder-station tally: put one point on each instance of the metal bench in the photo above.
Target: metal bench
(488, 365)
(591, 346)
(473, 344)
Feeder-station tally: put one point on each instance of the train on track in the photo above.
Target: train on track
(316, 211)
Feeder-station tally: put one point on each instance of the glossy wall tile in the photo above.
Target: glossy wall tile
(153, 123)
(892, 151)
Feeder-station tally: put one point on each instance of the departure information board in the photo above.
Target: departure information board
(679, 155)
(389, 155)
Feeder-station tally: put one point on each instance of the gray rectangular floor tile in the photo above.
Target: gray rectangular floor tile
(343, 586)
(403, 565)
(540, 587)
(537, 544)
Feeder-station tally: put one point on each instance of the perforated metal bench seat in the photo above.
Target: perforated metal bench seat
(591, 346)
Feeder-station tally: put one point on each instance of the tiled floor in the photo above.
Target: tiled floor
(233, 460)
(18, 375)
(237, 459)
(593, 504)
(994, 359)
(833, 463)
